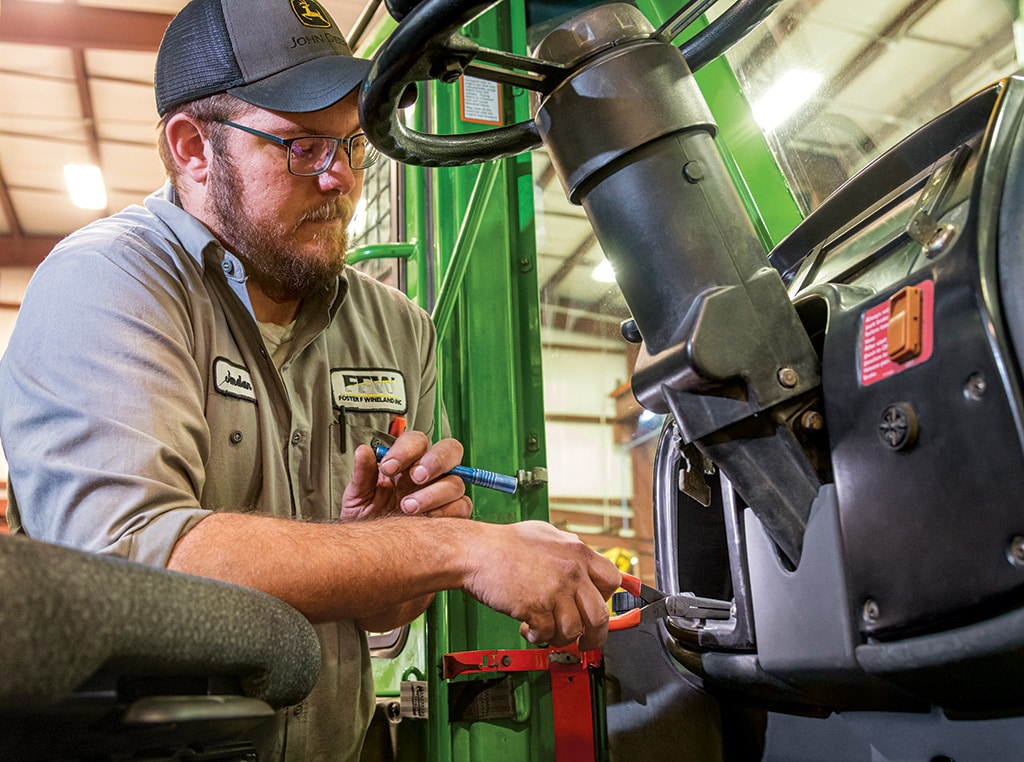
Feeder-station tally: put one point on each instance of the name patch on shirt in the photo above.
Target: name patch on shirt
(369, 390)
(233, 380)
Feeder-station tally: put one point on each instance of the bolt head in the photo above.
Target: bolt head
(788, 377)
(871, 611)
(1015, 551)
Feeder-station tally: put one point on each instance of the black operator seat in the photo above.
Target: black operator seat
(103, 658)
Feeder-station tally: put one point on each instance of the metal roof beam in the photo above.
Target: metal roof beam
(78, 26)
(25, 251)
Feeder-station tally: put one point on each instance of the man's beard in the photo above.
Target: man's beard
(265, 246)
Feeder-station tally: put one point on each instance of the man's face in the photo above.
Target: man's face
(290, 231)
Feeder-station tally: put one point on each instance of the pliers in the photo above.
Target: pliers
(659, 605)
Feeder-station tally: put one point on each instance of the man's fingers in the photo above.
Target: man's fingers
(605, 575)
(582, 618)
(568, 621)
(595, 617)
(364, 472)
(457, 509)
(405, 451)
(434, 495)
(413, 453)
(540, 630)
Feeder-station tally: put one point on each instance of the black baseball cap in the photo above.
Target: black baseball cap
(283, 55)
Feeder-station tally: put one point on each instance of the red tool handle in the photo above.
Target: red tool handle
(624, 621)
(631, 585)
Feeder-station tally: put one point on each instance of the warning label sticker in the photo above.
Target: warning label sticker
(480, 101)
(874, 346)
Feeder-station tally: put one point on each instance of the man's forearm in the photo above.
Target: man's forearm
(545, 578)
(382, 620)
(329, 571)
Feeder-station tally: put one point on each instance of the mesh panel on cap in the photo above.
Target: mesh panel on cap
(195, 58)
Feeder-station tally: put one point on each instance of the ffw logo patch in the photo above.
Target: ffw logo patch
(369, 390)
(311, 14)
(233, 380)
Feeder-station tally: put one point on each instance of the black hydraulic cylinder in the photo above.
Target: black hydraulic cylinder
(632, 141)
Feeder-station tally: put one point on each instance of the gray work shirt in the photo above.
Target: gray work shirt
(138, 396)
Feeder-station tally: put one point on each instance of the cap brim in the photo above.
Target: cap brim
(310, 86)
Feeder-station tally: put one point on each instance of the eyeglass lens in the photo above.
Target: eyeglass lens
(309, 156)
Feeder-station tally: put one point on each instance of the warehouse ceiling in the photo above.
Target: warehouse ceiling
(76, 88)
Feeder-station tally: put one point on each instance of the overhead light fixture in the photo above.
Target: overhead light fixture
(603, 273)
(85, 184)
(782, 99)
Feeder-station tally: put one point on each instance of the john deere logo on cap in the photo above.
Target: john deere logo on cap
(312, 14)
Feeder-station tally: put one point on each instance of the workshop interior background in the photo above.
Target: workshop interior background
(76, 88)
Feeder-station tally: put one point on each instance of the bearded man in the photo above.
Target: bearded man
(184, 378)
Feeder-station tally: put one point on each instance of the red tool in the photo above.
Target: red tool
(571, 700)
(659, 605)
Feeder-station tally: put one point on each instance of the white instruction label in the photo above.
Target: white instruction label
(413, 699)
(481, 101)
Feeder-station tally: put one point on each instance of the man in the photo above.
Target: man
(183, 382)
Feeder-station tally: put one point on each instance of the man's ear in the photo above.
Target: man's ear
(190, 149)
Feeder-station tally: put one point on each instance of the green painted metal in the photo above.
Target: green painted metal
(465, 244)
(400, 250)
(755, 173)
(475, 268)
(488, 315)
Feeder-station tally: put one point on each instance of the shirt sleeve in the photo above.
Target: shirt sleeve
(102, 416)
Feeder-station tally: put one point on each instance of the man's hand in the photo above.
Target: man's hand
(547, 579)
(409, 481)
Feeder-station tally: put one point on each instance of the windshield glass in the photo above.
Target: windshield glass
(833, 84)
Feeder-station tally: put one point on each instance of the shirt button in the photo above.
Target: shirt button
(296, 438)
(297, 710)
(227, 267)
(236, 437)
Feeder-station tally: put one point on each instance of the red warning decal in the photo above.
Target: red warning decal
(875, 363)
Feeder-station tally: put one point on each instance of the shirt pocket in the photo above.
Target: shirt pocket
(347, 433)
(234, 469)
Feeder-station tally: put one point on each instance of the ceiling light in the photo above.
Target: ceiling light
(85, 184)
(603, 273)
(793, 89)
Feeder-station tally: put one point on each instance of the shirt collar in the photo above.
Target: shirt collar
(194, 236)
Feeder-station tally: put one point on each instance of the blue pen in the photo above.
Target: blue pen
(476, 476)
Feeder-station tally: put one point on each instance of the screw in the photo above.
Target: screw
(506, 660)
(787, 377)
(524, 265)
(448, 72)
(693, 171)
(975, 387)
(532, 443)
(898, 426)
(940, 241)
(871, 612)
(812, 420)
(1015, 552)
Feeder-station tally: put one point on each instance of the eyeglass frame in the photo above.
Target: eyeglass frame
(287, 143)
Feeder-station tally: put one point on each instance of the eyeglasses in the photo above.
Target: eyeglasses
(312, 155)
